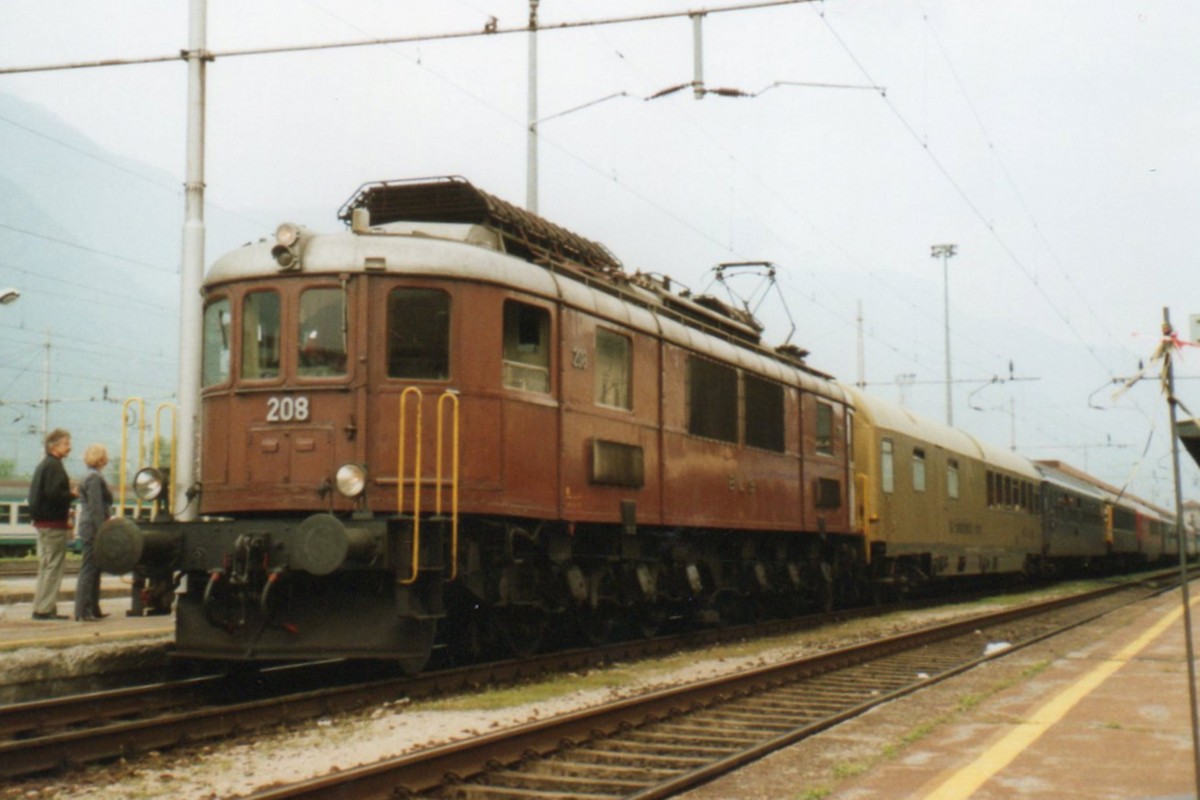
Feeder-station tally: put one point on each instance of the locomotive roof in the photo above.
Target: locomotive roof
(891, 417)
(447, 244)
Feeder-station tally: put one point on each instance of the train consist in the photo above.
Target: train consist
(457, 425)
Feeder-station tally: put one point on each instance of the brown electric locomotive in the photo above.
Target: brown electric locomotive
(458, 424)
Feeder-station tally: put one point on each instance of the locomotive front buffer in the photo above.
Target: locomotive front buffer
(261, 589)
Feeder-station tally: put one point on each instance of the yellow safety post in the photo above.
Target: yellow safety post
(165, 406)
(141, 421)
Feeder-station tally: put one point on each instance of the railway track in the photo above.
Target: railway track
(662, 743)
(63, 732)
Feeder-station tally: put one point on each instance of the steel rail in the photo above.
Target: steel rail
(450, 767)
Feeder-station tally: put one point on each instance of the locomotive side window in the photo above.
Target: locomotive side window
(918, 471)
(614, 367)
(952, 478)
(887, 466)
(712, 400)
(418, 334)
(215, 359)
(321, 334)
(824, 428)
(526, 347)
(764, 414)
(260, 335)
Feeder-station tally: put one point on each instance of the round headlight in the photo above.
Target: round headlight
(287, 234)
(351, 480)
(148, 484)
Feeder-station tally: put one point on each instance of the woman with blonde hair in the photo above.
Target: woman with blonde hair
(95, 507)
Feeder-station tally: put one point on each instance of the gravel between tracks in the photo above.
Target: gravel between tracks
(292, 753)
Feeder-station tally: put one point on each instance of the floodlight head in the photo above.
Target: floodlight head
(8, 295)
(1189, 433)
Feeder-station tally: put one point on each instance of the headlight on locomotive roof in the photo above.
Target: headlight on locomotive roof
(351, 479)
(148, 484)
(287, 234)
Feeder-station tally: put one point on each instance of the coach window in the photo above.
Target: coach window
(918, 471)
(614, 368)
(321, 334)
(526, 347)
(952, 478)
(712, 399)
(887, 466)
(215, 359)
(24, 515)
(418, 334)
(824, 428)
(260, 336)
(764, 414)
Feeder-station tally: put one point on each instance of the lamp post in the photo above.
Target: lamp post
(945, 252)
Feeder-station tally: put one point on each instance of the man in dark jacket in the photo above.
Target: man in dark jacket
(50, 497)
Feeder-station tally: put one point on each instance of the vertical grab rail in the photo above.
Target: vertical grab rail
(141, 419)
(416, 539)
(453, 397)
(166, 406)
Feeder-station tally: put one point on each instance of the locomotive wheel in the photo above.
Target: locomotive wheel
(521, 628)
(418, 638)
(827, 587)
(649, 618)
(600, 618)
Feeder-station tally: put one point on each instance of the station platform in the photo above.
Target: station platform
(1101, 712)
(19, 630)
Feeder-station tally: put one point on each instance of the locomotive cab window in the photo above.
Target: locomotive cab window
(712, 399)
(614, 368)
(526, 347)
(418, 334)
(217, 346)
(764, 414)
(260, 336)
(321, 334)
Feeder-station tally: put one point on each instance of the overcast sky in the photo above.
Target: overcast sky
(1055, 143)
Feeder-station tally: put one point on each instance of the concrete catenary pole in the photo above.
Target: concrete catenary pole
(191, 274)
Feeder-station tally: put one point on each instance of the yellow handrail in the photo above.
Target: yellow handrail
(141, 420)
(166, 406)
(453, 397)
(416, 539)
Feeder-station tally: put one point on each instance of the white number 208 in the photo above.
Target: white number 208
(287, 409)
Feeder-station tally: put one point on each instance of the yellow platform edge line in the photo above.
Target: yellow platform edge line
(963, 783)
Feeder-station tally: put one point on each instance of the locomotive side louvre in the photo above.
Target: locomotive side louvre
(939, 503)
